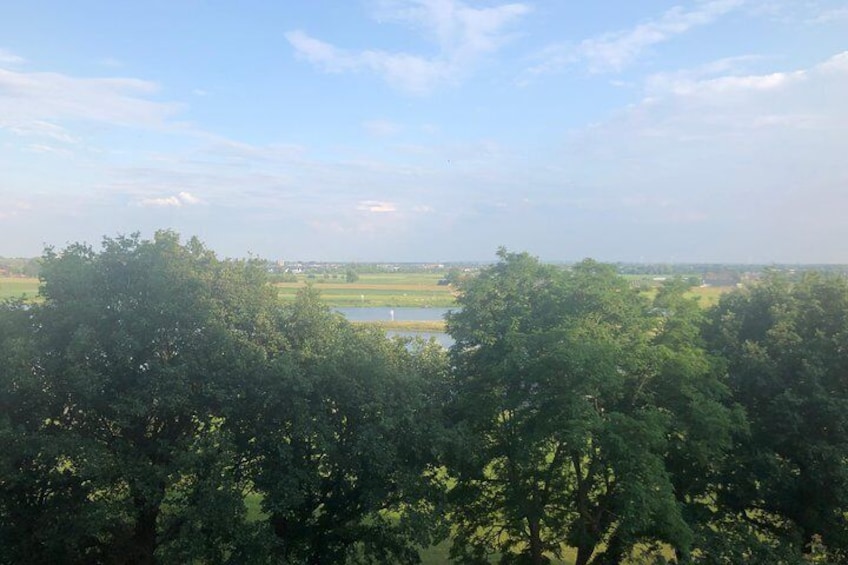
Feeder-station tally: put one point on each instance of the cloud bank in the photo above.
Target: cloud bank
(613, 51)
(463, 35)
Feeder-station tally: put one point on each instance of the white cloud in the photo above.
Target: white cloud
(401, 70)
(838, 63)
(616, 50)
(715, 89)
(188, 198)
(161, 202)
(8, 58)
(463, 35)
(45, 96)
(455, 26)
(376, 206)
(682, 86)
(44, 148)
(758, 159)
(182, 199)
(39, 128)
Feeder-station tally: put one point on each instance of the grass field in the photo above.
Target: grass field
(708, 295)
(410, 325)
(389, 289)
(377, 290)
(16, 287)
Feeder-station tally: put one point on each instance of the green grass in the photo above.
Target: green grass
(392, 290)
(440, 554)
(371, 290)
(16, 287)
(253, 504)
(377, 290)
(431, 326)
(426, 279)
(708, 295)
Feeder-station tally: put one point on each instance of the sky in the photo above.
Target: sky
(430, 130)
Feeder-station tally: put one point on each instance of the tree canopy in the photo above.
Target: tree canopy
(161, 405)
(339, 443)
(129, 358)
(584, 401)
(785, 347)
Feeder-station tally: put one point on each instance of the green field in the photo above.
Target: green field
(371, 290)
(375, 290)
(410, 325)
(17, 287)
(708, 295)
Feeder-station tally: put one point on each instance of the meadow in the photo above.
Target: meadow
(377, 290)
(393, 290)
(708, 295)
(18, 287)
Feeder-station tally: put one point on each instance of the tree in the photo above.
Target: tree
(351, 276)
(565, 393)
(784, 344)
(705, 421)
(126, 365)
(453, 276)
(340, 441)
(37, 493)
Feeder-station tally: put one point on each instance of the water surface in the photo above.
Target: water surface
(382, 314)
(407, 314)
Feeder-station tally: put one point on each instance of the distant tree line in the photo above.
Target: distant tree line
(738, 269)
(19, 267)
(319, 268)
(159, 405)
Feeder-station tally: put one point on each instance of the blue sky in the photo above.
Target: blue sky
(370, 130)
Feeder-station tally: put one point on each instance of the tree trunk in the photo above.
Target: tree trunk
(584, 553)
(536, 555)
(144, 536)
(147, 503)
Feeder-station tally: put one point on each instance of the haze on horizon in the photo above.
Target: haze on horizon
(404, 130)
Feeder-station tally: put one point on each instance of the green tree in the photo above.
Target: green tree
(126, 365)
(785, 345)
(351, 276)
(454, 276)
(705, 421)
(340, 441)
(37, 491)
(566, 389)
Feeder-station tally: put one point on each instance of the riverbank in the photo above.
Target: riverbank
(425, 326)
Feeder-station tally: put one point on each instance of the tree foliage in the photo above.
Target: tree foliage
(578, 405)
(339, 445)
(127, 362)
(154, 392)
(155, 386)
(785, 346)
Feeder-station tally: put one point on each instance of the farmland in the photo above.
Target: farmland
(392, 290)
(377, 290)
(18, 287)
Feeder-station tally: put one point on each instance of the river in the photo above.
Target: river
(393, 314)
(401, 315)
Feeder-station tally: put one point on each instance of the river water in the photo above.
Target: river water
(393, 314)
(401, 315)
